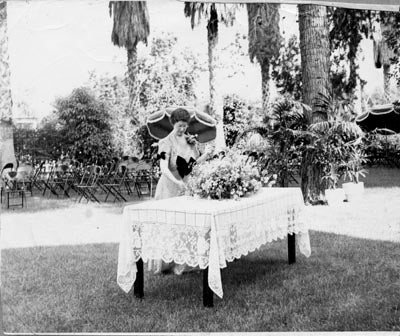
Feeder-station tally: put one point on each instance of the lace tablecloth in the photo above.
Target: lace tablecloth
(208, 233)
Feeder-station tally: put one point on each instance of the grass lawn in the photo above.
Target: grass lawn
(347, 284)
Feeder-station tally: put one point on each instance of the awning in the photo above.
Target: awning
(386, 5)
(383, 118)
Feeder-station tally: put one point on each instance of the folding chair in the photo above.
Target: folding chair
(130, 177)
(23, 179)
(87, 187)
(144, 179)
(47, 178)
(113, 185)
(60, 179)
(10, 187)
(8, 167)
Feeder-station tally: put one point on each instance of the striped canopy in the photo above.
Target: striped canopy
(387, 5)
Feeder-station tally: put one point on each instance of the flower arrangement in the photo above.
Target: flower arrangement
(232, 175)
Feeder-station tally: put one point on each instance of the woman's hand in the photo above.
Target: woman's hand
(181, 185)
(191, 139)
(209, 151)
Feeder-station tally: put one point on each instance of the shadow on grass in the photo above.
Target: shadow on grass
(347, 284)
(381, 177)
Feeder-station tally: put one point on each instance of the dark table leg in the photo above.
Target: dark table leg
(138, 285)
(292, 248)
(207, 292)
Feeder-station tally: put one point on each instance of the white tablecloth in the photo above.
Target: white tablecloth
(208, 233)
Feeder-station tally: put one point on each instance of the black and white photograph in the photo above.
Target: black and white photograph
(199, 167)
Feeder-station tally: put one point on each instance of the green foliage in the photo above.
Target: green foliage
(130, 23)
(335, 145)
(44, 143)
(348, 27)
(165, 77)
(237, 115)
(84, 126)
(113, 93)
(286, 69)
(211, 12)
(392, 37)
(287, 122)
(264, 34)
(235, 49)
(280, 151)
(382, 150)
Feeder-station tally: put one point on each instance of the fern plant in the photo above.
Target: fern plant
(337, 142)
(283, 130)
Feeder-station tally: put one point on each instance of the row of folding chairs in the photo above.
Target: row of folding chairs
(94, 183)
(103, 184)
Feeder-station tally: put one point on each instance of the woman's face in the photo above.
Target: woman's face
(180, 127)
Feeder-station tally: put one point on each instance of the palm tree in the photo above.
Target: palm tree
(264, 41)
(6, 130)
(130, 26)
(214, 15)
(315, 53)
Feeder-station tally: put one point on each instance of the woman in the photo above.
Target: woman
(178, 152)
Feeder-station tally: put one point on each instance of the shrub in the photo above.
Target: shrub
(84, 126)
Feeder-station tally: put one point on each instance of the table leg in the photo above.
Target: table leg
(138, 285)
(292, 248)
(207, 292)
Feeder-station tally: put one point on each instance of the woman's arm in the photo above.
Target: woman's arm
(203, 157)
(207, 154)
(165, 170)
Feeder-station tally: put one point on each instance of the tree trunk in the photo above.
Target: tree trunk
(386, 82)
(314, 46)
(6, 130)
(7, 154)
(216, 103)
(133, 97)
(265, 86)
(132, 144)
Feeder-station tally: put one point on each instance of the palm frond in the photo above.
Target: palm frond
(333, 108)
(289, 113)
(262, 130)
(320, 127)
(264, 33)
(196, 11)
(131, 23)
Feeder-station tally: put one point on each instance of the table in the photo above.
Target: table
(207, 234)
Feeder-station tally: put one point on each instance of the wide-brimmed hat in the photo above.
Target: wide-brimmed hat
(200, 124)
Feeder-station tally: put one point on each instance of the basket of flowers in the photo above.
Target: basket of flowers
(228, 176)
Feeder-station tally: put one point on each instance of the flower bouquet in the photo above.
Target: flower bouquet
(230, 176)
